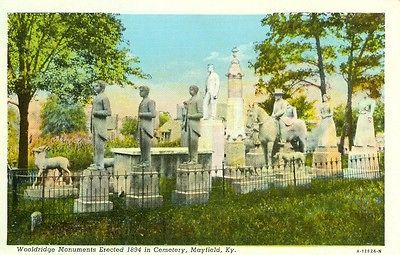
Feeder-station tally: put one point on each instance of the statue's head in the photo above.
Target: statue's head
(210, 67)
(144, 91)
(278, 93)
(99, 86)
(193, 90)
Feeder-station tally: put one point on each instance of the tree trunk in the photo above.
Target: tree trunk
(349, 115)
(23, 101)
(320, 66)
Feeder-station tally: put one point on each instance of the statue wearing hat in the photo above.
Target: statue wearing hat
(280, 113)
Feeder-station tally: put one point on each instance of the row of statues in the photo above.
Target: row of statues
(194, 108)
(197, 108)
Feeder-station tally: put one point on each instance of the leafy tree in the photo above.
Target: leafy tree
(60, 117)
(164, 117)
(129, 127)
(293, 55)
(12, 145)
(362, 45)
(305, 109)
(379, 117)
(63, 54)
(339, 117)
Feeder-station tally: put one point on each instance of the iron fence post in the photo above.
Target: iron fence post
(14, 185)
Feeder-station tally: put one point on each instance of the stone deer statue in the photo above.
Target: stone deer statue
(44, 164)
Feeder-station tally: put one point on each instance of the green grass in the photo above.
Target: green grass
(329, 212)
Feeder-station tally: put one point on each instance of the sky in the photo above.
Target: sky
(175, 51)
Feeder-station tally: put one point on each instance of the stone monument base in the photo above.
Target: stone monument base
(254, 183)
(363, 162)
(50, 192)
(284, 179)
(212, 138)
(145, 188)
(327, 161)
(192, 185)
(235, 153)
(82, 206)
(151, 201)
(93, 192)
(255, 157)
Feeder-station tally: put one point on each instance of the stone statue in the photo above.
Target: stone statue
(326, 131)
(98, 123)
(211, 95)
(194, 114)
(365, 132)
(146, 113)
(279, 111)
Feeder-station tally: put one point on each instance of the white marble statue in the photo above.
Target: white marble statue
(327, 128)
(365, 132)
(211, 95)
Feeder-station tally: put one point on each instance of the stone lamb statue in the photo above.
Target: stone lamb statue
(44, 164)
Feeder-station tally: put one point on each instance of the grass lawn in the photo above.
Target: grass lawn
(329, 212)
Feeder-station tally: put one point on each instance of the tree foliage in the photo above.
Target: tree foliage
(63, 53)
(164, 117)
(129, 126)
(301, 48)
(294, 53)
(60, 117)
(362, 43)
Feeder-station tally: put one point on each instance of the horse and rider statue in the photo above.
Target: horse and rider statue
(273, 132)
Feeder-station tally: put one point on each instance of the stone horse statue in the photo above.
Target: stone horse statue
(267, 129)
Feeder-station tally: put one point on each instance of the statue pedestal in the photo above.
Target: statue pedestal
(255, 157)
(234, 117)
(235, 153)
(93, 192)
(327, 162)
(53, 187)
(192, 185)
(363, 163)
(144, 188)
(212, 138)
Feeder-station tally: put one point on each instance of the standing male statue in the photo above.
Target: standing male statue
(100, 111)
(211, 95)
(194, 114)
(279, 111)
(146, 113)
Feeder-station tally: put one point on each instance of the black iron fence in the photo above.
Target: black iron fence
(91, 191)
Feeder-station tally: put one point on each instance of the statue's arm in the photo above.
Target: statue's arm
(215, 90)
(106, 109)
(199, 113)
(152, 111)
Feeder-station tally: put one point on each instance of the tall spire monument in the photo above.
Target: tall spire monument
(235, 103)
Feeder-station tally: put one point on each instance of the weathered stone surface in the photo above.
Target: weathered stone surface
(192, 185)
(212, 138)
(255, 157)
(363, 163)
(165, 159)
(235, 153)
(144, 188)
(93, 192)
(327, 161)
(49, 192)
